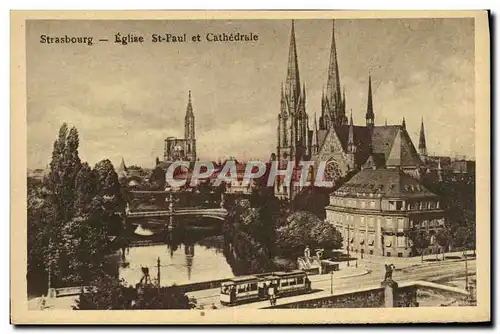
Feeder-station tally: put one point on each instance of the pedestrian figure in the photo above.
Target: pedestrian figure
(43, 302)
(271, 293)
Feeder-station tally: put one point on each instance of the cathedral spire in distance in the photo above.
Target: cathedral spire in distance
(189, 108)
(403, 124)
(370, 116)
(422, 148)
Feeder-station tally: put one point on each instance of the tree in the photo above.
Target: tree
(304, 228)
(108, 294)
(312, 199)
(465, 237)
(444, 239)
(158, 178)
(420, 241)
(40, 214)
(86, 189)
(69, 215)
(60, 185)
(165, 298)
(111, 294)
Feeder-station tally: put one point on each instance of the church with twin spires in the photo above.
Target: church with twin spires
(333, 138)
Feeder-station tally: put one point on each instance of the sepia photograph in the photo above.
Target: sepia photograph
(226, 164)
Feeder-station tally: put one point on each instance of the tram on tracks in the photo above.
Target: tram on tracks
(243, 289)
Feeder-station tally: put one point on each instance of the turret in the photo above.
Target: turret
(370, 116)
(351, 147)
(422, 147)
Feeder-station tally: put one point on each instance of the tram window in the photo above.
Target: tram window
(300, 280)
(242, 288)
(284, 282)
(253, 286)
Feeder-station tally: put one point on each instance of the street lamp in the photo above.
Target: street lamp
(331, 282)
(348, 245)
(356, 257)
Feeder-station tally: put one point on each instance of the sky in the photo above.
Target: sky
(125, 100)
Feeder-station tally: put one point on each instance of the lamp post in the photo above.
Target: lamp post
(331, 282)
(466, 272)
(348, 245)
(356, 257)
(158, 272)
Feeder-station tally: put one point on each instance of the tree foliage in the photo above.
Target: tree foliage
(305, 229)
(111, 294)
(69, 216)
(420, 241)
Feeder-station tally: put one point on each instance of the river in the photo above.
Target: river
(182, 260)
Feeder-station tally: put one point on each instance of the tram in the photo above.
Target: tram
(250, 288)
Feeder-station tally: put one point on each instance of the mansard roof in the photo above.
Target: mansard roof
(392, 183)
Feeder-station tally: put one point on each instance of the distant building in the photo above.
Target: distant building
(38, 174)
(463, 166)
(122, 170)
(376, 208)
(182, 148)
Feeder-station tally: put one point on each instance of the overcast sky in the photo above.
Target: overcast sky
(125, 100)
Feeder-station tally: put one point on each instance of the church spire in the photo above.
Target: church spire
(370, 116)
(422, 148)
(189, 109)
(333, 83)
(122, 167)
(189, 121)
(350, 142)
(292, 86)
(403, 124)
(315, 143)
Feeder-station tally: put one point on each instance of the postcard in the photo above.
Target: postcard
(250, 167)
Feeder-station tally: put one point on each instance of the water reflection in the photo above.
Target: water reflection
(180, 262)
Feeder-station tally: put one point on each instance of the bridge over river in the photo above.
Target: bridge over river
(216, 213)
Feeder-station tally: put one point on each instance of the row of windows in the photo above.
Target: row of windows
(369, 221)
(362, 239)
(413, 205)
(353, 203)
(392, 205)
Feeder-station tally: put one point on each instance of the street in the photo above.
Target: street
(438, 271)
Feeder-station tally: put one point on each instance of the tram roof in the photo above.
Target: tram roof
(289, 273)
(240, 279)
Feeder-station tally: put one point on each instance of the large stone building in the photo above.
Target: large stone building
(343, 146)
(182, 148)
(376, 209)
